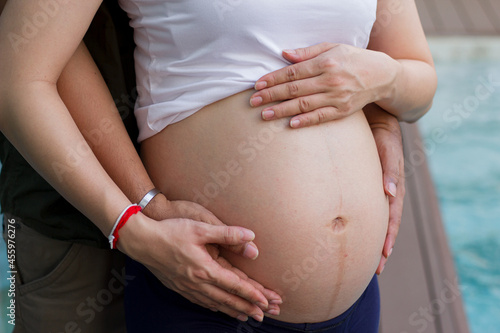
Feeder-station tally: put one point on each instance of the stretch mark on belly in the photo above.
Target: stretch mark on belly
(338, 224)
(340, 271)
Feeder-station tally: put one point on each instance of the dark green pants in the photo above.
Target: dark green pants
(63, 286)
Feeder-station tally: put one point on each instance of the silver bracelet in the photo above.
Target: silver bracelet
(148, 197)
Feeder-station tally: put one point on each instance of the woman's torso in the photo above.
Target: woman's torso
(313, 197)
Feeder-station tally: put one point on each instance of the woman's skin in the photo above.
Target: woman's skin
(330, 81)
(34, 118)
(313, 196)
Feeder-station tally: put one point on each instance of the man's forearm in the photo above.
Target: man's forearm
(378, 117)
(87, 97)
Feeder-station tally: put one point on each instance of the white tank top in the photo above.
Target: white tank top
(191, 53)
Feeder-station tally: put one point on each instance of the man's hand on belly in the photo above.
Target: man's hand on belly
(387, 134)
(182, 253)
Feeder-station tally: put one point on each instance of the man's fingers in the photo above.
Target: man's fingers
(381, 265)
(391, 188)
(272, 297)
(222, 290)
(217, 234)
(241, 312)
(390, 157)
(388, 245)
(193, 211)
(248, 250)
(229, 281)
(395, 213)
(235, 239)
(235, 292)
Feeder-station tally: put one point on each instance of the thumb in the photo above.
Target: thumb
(393, 171)
(391, 168)
(306, 53)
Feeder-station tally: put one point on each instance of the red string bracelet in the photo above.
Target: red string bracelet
(120, 222)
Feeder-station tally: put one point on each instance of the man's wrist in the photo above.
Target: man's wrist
(148, 197)
(375, 114)
(156, 206)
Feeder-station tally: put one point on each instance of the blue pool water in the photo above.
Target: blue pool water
(465, 164)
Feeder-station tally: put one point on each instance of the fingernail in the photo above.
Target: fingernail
(260, 85)
(392, 189)
(276, 301)
(267, 114)
(214, 309)
(292, 52)
(242, 317)
(251, 252)
(256, 101)
(247, 235)
(294, 123)
(382, 270)
(258, 317)
(261, 305)
(274, 312)
(390, 252)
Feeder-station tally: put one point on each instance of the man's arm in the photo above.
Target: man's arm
(36, 121)
(88, 99)
(387, 134)
(91, 106)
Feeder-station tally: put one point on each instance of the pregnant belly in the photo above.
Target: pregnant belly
(313, 196)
